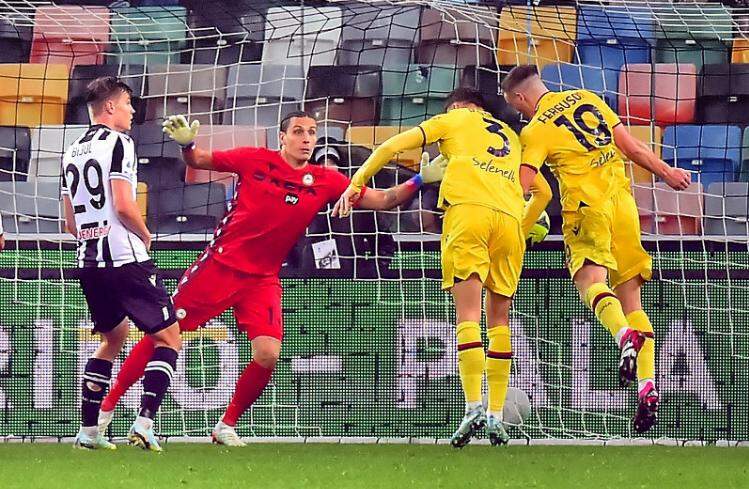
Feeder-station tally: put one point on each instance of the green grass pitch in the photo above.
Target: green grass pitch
(374, 466)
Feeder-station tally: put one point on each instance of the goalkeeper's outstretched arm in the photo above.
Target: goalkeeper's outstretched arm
(177, 128)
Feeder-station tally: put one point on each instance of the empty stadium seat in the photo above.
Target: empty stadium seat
(302, 35)
(650, 135)
(160, 162)
(457, 39)
(713, 152)
(196, 91)
(345, 94)
(692, 33)
(195, 209)
(222, 35)
(219, 138)
(147, 35)
(559, 77)
(70, 35)
(643, 194)
(15, 145)
(744, 172)
(82, 75)
(611, 37)
(15, 42)
(412, 96)
(379, 35)
(536, 35)
(740, 48)
(141, 198)
(30, 207)
(486, 79)
(48, 144)
(33, 94)
(724, 94)
(262, 94)
(678, 213)
(727, 209)
(662, 93)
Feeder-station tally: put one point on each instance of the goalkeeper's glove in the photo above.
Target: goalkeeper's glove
(539, 231)
(432, 171)
(177, 128)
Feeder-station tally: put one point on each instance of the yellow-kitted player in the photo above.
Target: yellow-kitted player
(482, 239)
(582, 141)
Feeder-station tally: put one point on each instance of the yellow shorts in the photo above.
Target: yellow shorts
(609, 235)
(477, 239)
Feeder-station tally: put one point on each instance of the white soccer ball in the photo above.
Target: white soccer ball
(517, 407)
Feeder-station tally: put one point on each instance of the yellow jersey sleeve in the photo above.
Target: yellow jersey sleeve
(435, 128)
(533, 145)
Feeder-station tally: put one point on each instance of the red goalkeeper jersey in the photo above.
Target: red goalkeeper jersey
(272, 206)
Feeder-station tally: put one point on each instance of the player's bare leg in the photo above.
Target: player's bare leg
(96, 377)
(467, 297)
(250, 385)
(647, 395)
(498, 364)
(156, 380)
(590, 281)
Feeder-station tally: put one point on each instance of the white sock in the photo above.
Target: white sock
(496, 414)
(90, 431)
(470, 406)
(222, 426)
(620, 334)
(143, 422)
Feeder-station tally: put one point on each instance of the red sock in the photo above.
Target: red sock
(249, 387)
(131, 371)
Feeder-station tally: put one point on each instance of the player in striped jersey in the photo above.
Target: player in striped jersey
(117, 277)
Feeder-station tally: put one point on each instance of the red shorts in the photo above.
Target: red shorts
(208, 288)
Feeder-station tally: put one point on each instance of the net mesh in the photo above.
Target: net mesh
(369, 348)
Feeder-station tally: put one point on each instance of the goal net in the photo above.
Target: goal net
(369, 344)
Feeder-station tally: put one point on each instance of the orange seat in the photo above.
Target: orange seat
(539, 35)
(33, 94)
(650, 135)
(664, 93)
(217, 138)
(70, 35)
(141, 198)
(372, 136)
(740, 51)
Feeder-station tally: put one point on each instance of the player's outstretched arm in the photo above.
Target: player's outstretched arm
(540, 197)
(641, 155)
(177, 128)
(127, 210)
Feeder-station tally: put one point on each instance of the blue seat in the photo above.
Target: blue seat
(713, 152)
(563, 76)
(147, 35)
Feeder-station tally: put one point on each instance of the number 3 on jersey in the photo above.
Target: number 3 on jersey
(495, 128)
(96, 191)
(581, 130)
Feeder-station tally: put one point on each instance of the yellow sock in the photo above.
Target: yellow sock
(646, 359)
(470, 359)
(607, 308)
(498, 364)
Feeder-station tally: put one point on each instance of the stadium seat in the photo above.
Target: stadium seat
(692, 33)
(727, 209)
(378, 35)
(261, 94)
(410, 97)
(643, 194)
(650, 135)
(82, 75)
(33, 94)
(724, 94)
(712, 152)
(563, 76)
(310, 41)
(740, 48)
(537, 35)
(344, 94)
(196, 209)
(612, 37)
(678, 213)
(15, 42)
(70, 35)
(160, 162)
(662, 93)
(196, 91)
(30, 207)
(222, 35)
(147, 35)
(141, 198)
(48, 144)
(457, 39)
(15, 145)
(486, 79)
(744, 172)
(218, 138)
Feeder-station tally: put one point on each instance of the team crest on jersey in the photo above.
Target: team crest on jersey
(291, 199)
(308, 179)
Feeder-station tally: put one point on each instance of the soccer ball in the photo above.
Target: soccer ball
(517, 406)
(540, 229)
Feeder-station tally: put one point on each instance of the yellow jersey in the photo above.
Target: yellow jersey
(483, 156)
(573, 132)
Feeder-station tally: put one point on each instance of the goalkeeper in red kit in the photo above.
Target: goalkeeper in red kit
(277, 196)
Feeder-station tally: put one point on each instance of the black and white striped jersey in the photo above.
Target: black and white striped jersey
(88, 166)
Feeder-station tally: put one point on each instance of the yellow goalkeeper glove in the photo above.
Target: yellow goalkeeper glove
(432, 171)
(177, 128)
